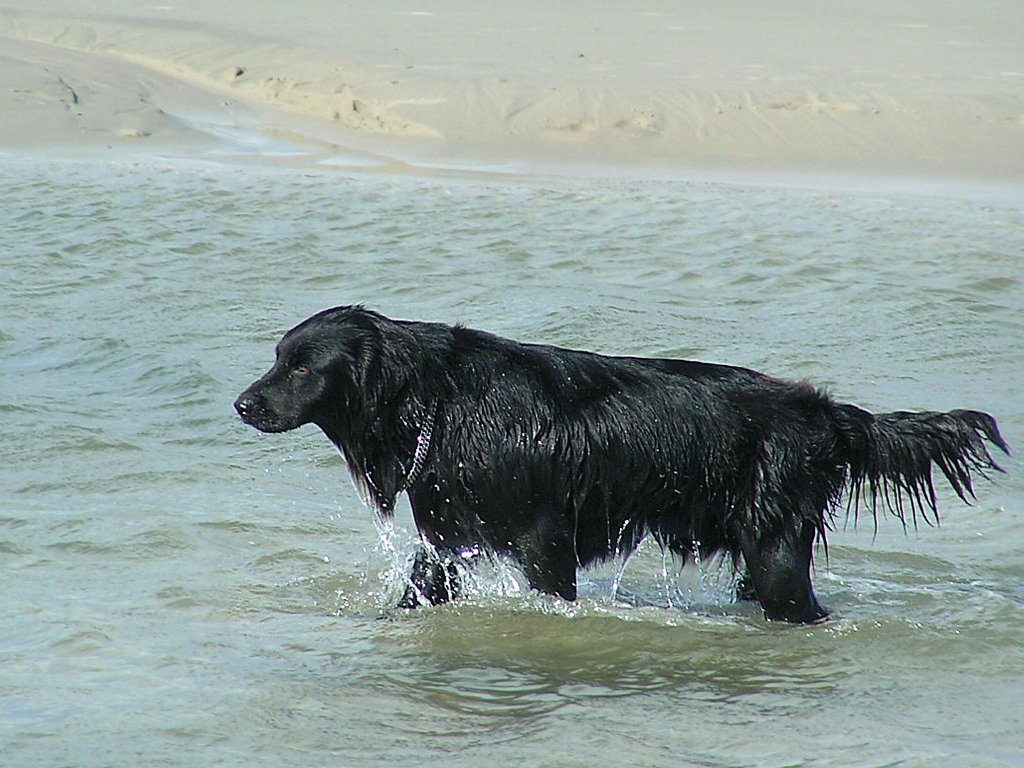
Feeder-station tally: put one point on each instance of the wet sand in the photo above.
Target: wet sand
(917, 91)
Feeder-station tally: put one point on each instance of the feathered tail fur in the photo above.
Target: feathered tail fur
(890, 457)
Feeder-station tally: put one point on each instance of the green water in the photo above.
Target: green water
(179, 590)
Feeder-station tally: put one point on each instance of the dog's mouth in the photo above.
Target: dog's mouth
(258, 417)
(265, 425)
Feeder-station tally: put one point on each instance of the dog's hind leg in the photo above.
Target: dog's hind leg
(779, 568)
(432, 581)
(548, 556)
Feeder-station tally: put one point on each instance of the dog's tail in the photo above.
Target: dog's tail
(889, 457)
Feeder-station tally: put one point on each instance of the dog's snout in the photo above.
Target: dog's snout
(245, 404)
(253, 409)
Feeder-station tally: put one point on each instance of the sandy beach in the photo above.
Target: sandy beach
(914, 89)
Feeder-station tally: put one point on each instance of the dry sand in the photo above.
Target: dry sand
(912, 89)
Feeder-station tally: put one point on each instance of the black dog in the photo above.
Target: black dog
(560, 458)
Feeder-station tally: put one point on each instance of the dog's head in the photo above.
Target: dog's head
(322, 364)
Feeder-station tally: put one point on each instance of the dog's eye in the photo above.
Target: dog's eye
(302, 370)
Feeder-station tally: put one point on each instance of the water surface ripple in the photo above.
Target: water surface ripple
(179, 590)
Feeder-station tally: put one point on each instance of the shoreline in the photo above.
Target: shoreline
(105, 83)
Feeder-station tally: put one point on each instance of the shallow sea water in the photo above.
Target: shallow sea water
(179, 590)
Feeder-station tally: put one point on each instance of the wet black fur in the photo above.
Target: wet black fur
(561, 458)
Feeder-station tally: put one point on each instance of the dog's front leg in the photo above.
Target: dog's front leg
(432, 581)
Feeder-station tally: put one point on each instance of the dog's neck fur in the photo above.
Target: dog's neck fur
(372, 453)
(387, 442)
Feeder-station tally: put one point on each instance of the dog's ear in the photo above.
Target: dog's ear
(384, 361)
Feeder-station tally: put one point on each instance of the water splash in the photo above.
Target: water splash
(617, 578)
(481, 575)
(396, 545)
(650, 578)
